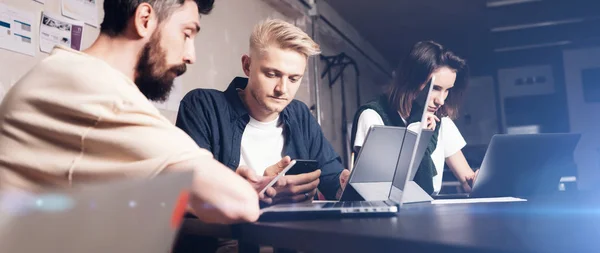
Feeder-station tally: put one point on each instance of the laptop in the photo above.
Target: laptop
(352, 208)
(123, 216)
(376, 185)
(381, 156)
(523, 165)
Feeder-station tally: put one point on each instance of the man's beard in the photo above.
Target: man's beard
(153, 77)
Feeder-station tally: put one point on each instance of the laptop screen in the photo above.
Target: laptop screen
(377, 159)
(423, 134)
(407, 161)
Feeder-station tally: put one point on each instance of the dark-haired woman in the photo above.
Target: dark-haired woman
(397, 108)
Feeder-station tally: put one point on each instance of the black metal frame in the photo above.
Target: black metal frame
(341, 62)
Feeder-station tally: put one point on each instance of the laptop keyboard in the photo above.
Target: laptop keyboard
(350, 204)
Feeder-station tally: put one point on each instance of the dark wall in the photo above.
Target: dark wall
(548, 111)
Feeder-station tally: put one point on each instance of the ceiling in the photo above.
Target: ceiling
(478, 30)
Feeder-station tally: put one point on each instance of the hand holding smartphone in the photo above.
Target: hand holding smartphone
(303, 167)
(296, 167)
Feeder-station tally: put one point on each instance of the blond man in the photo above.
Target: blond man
(256, 122)
(84, 117)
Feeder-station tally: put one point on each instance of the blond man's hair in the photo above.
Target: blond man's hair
(275, 32)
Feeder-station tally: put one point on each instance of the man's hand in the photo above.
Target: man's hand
(297, 188)
(275, 169)
(293, 188)
(258, 183)
(344, 177)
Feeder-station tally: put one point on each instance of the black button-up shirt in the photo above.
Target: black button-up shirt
(216, 121)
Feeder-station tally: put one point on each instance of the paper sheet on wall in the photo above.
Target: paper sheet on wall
(172, 103)
(1, 92)
(55, 30)
(16, 30)
(176, 96)
(85, 10)
(162, 106)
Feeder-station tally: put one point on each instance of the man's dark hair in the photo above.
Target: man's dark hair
(118, 12)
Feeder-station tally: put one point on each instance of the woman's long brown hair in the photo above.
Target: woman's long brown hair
(415, 70)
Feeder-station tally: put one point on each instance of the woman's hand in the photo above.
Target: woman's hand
(432, 121)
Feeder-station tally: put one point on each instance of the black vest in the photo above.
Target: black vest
(390, 117)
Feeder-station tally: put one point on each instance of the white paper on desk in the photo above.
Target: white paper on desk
(56, 30)
(475, 200)
(16, 30)
(172, 103)
(85, 10)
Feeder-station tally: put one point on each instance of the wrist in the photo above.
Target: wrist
(338, 194)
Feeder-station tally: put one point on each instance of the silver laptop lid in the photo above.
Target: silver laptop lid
(376, 161)
(123, 216)
(423, 134)
(404, 173)
(513, 160)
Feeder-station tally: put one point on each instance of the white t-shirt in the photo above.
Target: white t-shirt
(368, 118)
(449, 141)
(262, 144)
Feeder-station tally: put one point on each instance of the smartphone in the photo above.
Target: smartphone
(302, 167)
(282, 173)
(295, 167)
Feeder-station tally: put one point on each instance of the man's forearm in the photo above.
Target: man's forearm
(330, 186)
(218, 194)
